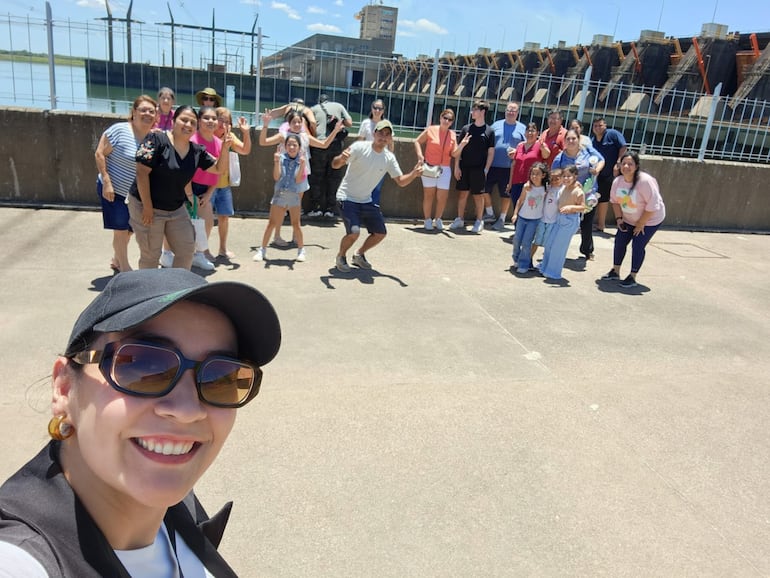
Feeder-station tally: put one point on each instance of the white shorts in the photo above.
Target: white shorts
(440, 182)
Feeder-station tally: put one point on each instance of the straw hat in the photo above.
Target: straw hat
(208, 91)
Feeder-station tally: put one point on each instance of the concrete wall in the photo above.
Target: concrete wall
(47, 158)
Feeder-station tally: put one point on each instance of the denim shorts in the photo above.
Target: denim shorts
(541, 233)
(367, 214)
(115, 213)
(284, 198)
(222, 201)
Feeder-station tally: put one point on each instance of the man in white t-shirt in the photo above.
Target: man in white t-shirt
(367, 161)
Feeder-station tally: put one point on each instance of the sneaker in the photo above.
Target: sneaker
(489, 218)
(167, 259)
(314, 214)
(499, 224)
(428, 225)
(612, 275)
(260, 254)
(628, 282)
(439, 225)
(300, 255)
(200, 261)
(458, 223)
(280, 242)
(329, 215)
(360, 261)
(477, 226)
(521, 271)
(342, 264)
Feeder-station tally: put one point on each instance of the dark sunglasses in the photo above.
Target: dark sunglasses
(145, 369)
(211, 98)
(378, 108)
(447, 118)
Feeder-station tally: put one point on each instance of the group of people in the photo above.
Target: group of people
(159, 163)
(183, 155)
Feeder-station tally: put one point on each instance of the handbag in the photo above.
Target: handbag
(199, 226)
(431, 171)
(235, 169)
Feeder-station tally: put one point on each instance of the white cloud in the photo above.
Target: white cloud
(290, 12)
(324, 28)
(338, 3)
(421, 26)
(315, 10)
(252, 2)
(91, 4)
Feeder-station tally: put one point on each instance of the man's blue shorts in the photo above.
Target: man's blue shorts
(354, 215)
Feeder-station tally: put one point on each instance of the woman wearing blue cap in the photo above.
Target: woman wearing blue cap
(140, 411)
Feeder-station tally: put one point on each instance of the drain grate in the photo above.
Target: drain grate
(688, 250)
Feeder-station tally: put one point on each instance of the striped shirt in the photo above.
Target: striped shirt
(121, 162)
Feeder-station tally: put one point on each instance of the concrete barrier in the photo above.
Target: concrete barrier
(47, 158)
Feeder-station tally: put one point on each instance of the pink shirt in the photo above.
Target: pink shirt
(213, 147)
(644, 196)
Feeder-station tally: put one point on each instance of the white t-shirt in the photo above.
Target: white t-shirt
(551, 207)
(366, 167)
(367, 129)
(16, 562)
(158, 559)
(532, 205)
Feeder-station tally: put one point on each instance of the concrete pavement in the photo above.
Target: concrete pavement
(439, 416)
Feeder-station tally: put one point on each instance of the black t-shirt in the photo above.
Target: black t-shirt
(475, 152)
(170, 173)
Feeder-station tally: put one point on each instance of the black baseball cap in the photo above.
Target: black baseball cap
(133, 297)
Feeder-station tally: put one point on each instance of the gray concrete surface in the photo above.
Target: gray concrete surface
(442, 417)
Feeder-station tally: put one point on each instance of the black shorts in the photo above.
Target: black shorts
(472, 179)
(604, 185)
(499, 176)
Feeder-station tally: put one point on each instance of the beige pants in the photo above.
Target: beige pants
(174, 225)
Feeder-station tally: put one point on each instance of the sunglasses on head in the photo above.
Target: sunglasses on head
(145, 369)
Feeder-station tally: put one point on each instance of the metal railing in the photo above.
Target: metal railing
(672, 123)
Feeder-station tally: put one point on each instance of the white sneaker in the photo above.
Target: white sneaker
(477, 226)
(314, 214)
(260, 254)
(428, 225)
(499, 224)
(300, 255)
(200, 261)
(439, 225)
(167, 259)
(328, 215)
(458, 223)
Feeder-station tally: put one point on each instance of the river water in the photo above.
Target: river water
(25, 84)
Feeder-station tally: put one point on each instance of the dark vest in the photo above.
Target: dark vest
(40, 513)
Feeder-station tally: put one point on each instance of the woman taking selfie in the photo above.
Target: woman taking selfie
(144, 397)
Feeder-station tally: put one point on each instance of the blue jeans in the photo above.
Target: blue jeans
(557, 244)
(638, 245)
(522, 242)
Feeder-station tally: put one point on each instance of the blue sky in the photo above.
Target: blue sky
(427, 25)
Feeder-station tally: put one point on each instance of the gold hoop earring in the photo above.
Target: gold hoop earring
(58, 429)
